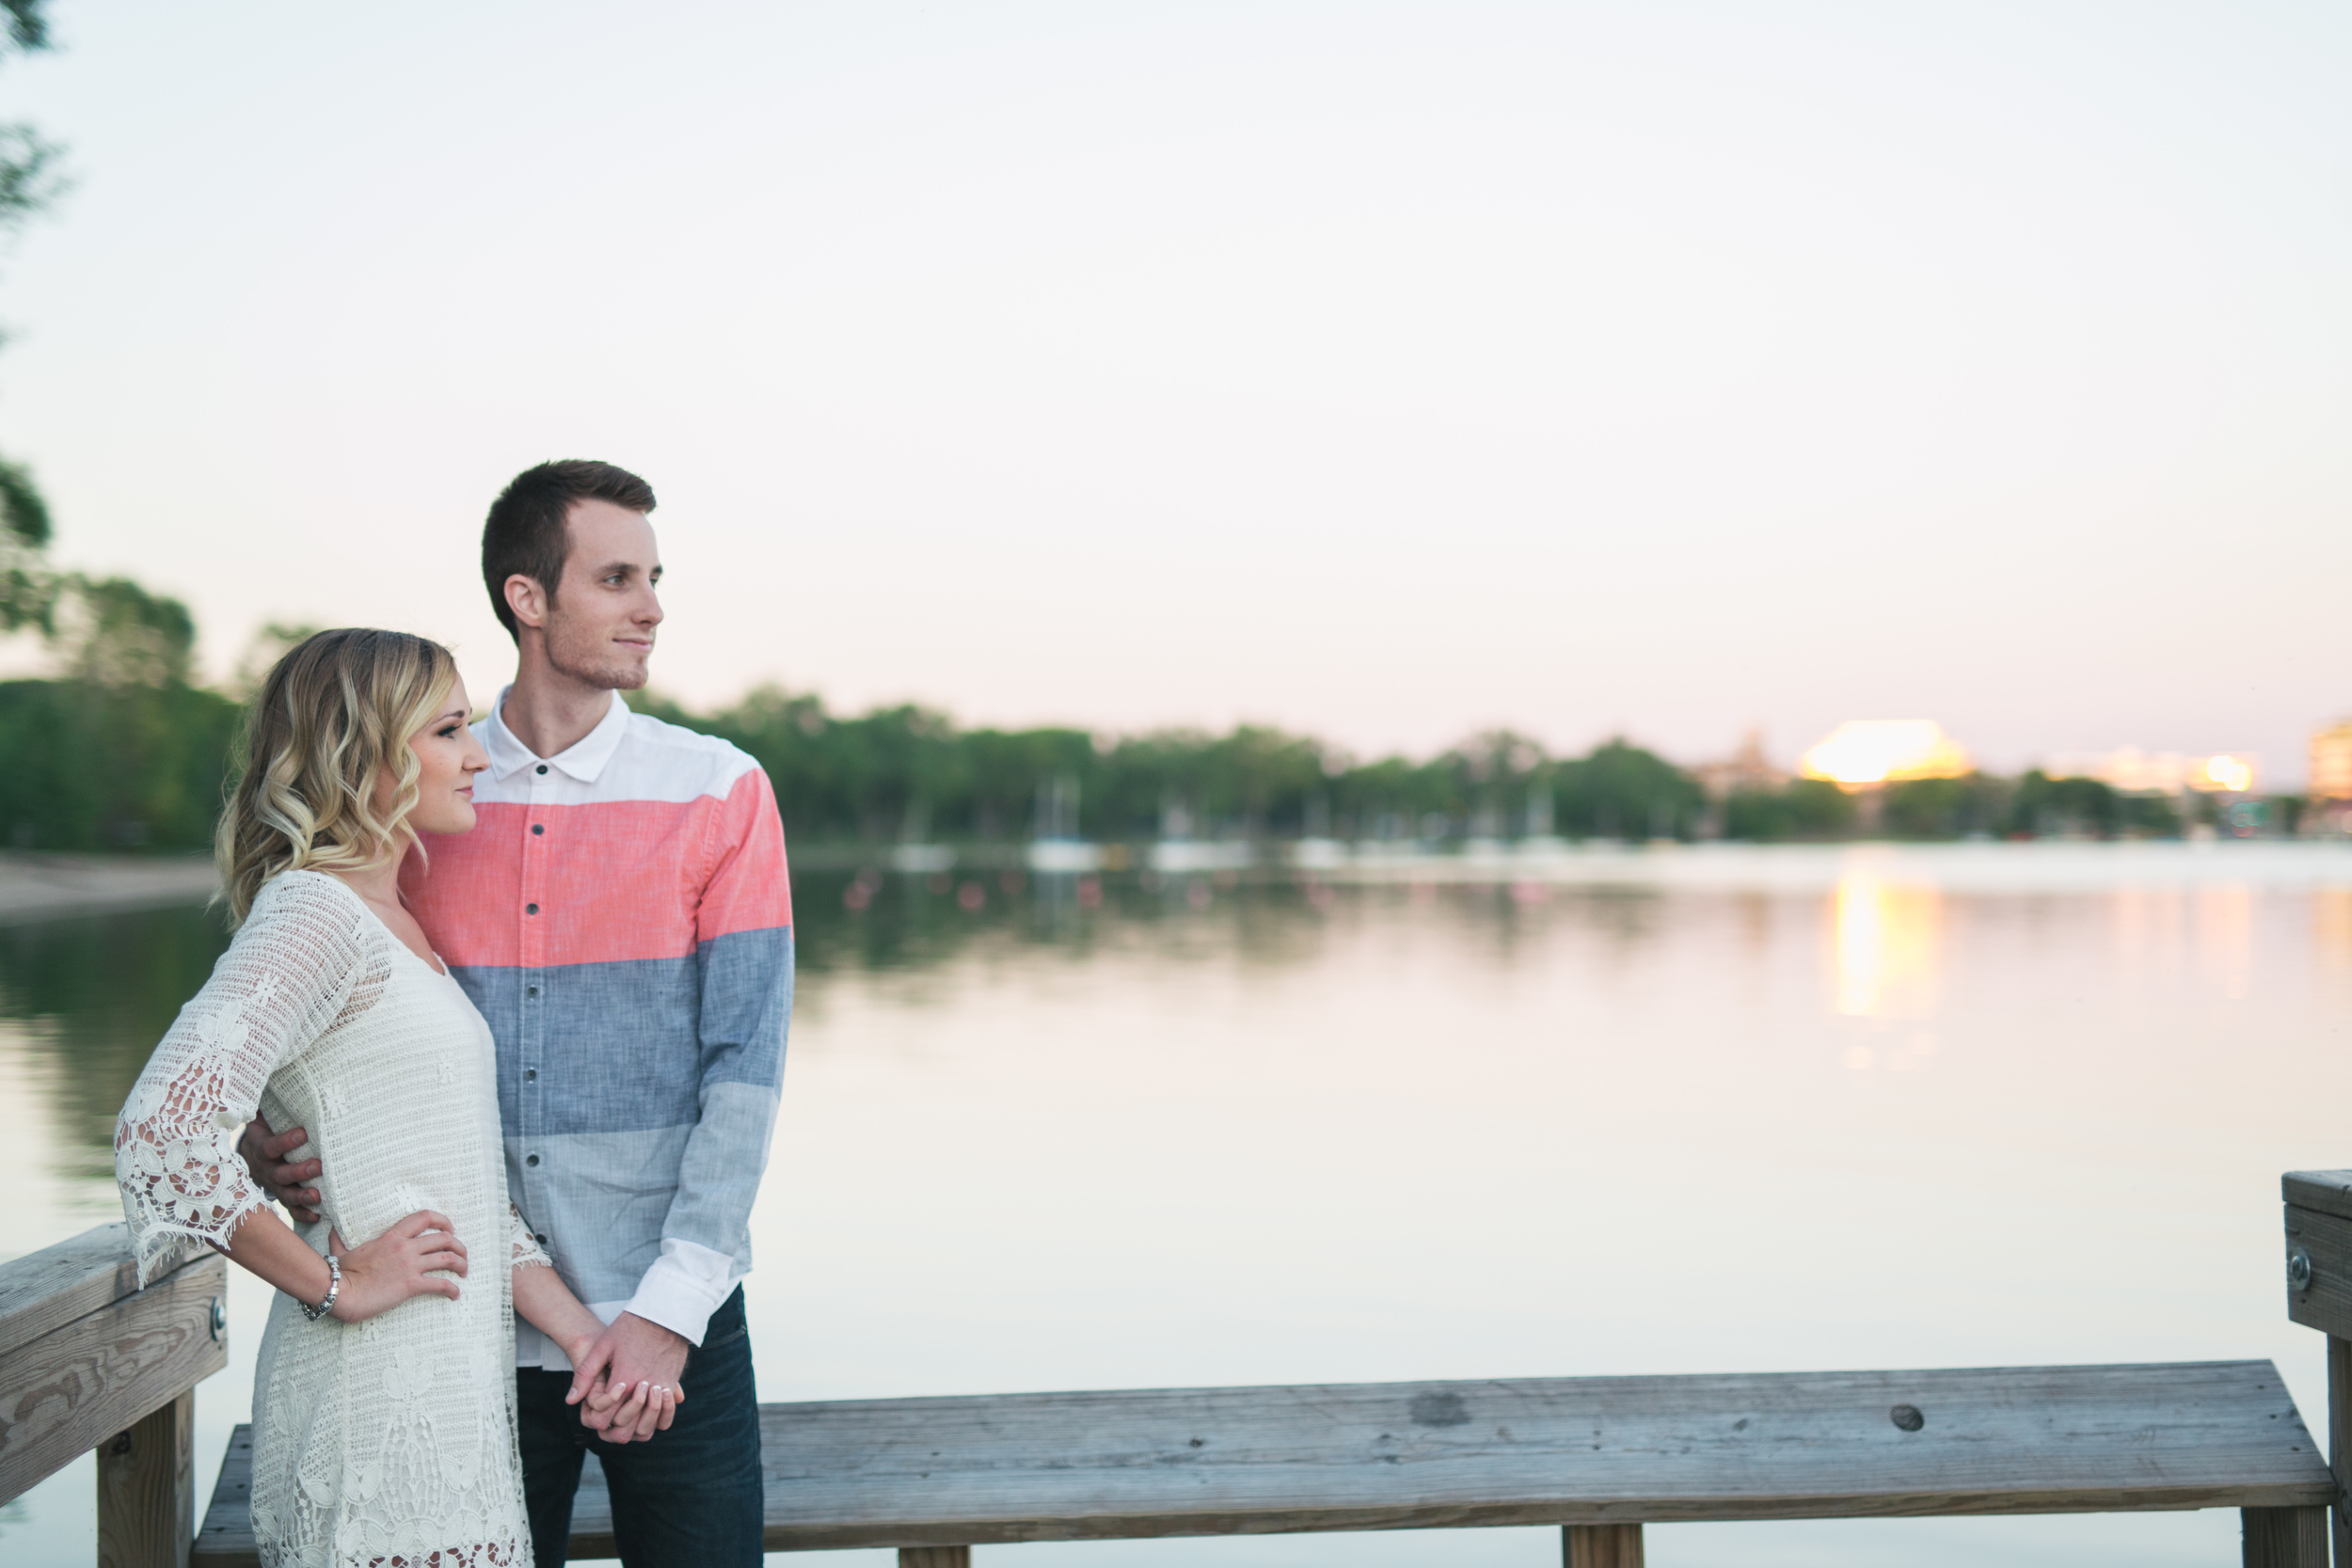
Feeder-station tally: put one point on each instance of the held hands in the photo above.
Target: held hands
(397, 1265)
(264, 1153)
(639, 1362)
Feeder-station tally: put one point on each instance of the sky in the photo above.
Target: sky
(1384, 371)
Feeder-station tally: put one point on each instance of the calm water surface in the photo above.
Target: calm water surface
(1785, 1110)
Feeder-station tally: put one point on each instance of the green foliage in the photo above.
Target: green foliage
(113, 633)
(1621, 791)
(1805, 809)
(22, 512)
(270, 644)
(28, 29)
(908, 773)
(111, 767)
(1943, 808)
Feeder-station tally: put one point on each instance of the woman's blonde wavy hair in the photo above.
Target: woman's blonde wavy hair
(335, 711)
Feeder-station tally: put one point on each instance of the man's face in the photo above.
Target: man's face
(599, 629)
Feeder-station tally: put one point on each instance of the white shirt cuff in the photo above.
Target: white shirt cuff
(686, 1284)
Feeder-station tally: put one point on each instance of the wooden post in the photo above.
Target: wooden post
(2340, 1440)
(1601, 1545)
(2285, 1537)
(934, 1557)
(147, 1490)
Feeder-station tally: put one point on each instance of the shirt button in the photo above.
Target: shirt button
(531, 990)
(541, 1240)
(531, 1075)
(531, 1160)
(543, 768)
(538, 827)
(530, 909)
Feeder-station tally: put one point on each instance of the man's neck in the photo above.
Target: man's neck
(550, 711)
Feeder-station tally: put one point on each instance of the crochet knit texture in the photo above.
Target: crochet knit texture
(389, 1441)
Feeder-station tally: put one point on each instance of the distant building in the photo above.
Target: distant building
(1865, 752)
(2331, 761)
(1748, 769)
(2137, 772)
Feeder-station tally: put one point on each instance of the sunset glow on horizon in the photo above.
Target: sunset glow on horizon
(1882, 750)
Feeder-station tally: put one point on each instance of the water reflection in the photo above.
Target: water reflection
(1886, 938)
(1217, 1130)
(90, 995)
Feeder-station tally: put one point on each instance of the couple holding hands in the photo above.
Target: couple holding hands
(502, 1027)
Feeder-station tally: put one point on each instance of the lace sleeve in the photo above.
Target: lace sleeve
(296, 965)
(522, 1247)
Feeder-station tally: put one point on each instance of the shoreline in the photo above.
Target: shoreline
(35, 886)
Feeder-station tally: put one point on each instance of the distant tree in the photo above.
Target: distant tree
(1943, 808)
(30, 179)
(267, 646)
(2044, 807)
(113, 632)
(1808, 809)
(1619, 790)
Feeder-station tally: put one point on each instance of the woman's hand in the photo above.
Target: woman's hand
(397, 1265)
(645, 1411)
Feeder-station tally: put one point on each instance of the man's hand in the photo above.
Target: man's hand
(639, 1363)
(264, 1155)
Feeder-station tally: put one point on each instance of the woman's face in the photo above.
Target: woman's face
(448, 757)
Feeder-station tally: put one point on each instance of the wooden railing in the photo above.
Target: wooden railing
(88, 1360)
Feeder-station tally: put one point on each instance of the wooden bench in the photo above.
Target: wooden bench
(1599, 1456)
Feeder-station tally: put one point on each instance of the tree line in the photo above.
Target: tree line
(122, 750)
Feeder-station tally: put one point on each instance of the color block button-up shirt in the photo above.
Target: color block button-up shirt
(621, 915)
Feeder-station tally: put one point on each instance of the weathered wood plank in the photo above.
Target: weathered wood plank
(2327, 1191)
(63, 1393)
(51, 1288)
(2285, 1538)
(934, 1557)
(2322, 1300)
(225, 1539)
(2339, 1442)
(1589, 1451)
(1601, 1545)
(147, 1490)
(1576, 1450)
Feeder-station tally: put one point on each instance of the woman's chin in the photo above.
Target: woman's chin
(459, 819)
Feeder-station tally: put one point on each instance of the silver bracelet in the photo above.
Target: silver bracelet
(334, 1283)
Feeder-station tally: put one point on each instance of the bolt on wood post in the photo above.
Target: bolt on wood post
(147, 1490)
(1601, 1545)
(934, 1557)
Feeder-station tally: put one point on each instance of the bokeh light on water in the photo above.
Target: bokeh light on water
(1807, 1109)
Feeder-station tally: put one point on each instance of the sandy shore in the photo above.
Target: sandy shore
(35, 886)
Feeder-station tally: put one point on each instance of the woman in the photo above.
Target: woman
(381, 1406)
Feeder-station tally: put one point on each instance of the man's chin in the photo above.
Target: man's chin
(612, 677)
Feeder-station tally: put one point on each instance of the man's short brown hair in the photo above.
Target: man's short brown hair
(525, 532)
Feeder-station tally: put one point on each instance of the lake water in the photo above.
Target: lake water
(1661, 1112)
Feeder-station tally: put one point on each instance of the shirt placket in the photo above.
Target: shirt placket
(532, 1058)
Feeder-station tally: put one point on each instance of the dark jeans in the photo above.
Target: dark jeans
(690, 1494)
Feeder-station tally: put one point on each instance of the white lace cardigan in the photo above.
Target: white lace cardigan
(392, 1437)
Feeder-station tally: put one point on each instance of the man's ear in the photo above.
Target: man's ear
(528, 601)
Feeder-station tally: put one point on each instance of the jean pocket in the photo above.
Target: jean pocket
(727, 1338)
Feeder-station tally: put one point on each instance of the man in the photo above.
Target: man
(622, 916)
